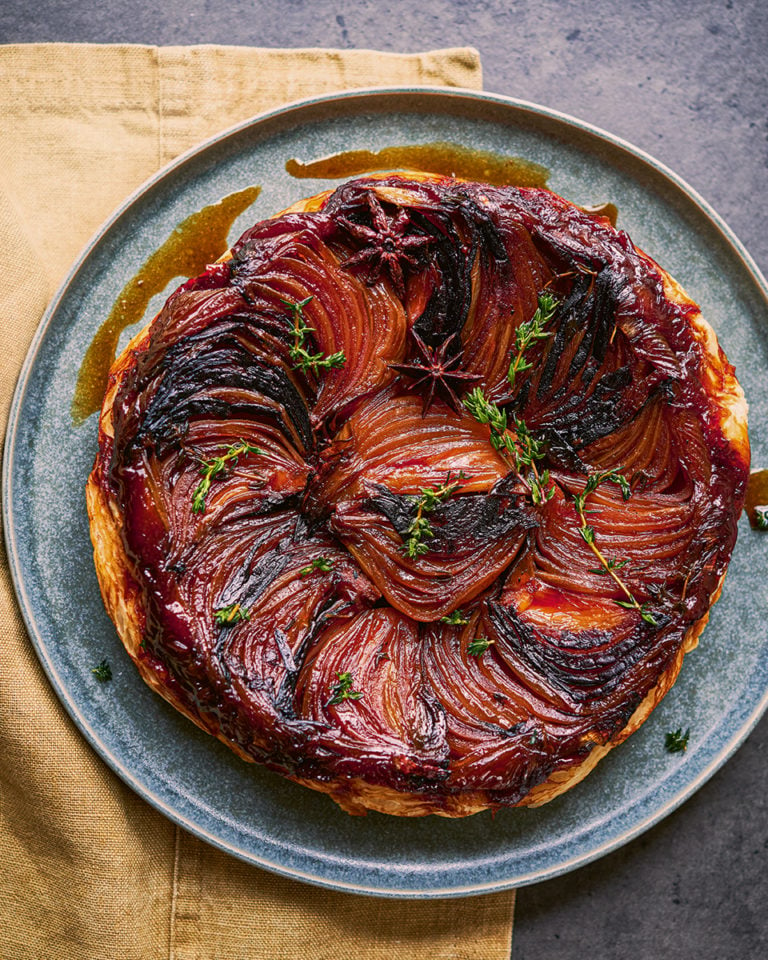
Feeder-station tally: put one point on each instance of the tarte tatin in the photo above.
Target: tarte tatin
(420, 495)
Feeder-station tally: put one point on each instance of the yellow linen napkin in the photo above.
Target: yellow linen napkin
(89, 870)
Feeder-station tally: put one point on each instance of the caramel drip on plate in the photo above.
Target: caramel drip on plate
(439, 157)
(197, 241)
(756, 501)
(608, 210)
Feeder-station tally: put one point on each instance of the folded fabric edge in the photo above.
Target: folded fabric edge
(468, 55)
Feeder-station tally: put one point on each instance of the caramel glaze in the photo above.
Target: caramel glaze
(608, 210)
(443, 158)
(756, 502)
(620, 383)
(195, 242)
(440, 157)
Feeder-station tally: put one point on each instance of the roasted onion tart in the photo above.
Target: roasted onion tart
(421, 494)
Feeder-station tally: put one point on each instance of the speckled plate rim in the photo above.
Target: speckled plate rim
(629, 824)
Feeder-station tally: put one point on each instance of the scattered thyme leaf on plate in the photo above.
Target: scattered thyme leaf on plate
(677, 741)
(102, 671)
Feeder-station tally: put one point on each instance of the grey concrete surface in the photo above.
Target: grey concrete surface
(686, 81)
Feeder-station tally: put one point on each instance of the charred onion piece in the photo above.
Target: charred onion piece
(348, 565)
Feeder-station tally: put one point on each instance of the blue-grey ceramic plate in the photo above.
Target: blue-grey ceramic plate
(194, 779)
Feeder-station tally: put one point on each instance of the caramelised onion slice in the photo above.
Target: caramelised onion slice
(374, 478)
(383, 728)
(364, 324)
(420, 495)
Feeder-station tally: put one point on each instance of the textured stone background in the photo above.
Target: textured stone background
(686, 81)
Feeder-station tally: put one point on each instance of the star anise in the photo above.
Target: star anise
(386, 246)
(437, 368)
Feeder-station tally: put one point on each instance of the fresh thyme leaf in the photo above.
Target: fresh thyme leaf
(342, 689)
(626, 489)
(201, 491)
(647, 616)
(642, 609)
(677, 741)
(605, 476)
(298, 352)
(588, 534)
(211, 469)
(609, 567)
(230, 615)
(610, 564)
(529, 332)
(323, 564)
(456, 618)
(102, 671)
(608, 476)
(429, 498)
(478, 646)
(528, 448)
(516, 444)
(486, 412)
(297, 306)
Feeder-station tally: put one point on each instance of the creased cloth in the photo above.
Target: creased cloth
(89, 870)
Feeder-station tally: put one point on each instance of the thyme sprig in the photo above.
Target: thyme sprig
(429, 498)
(593, 482)
(611, 564)
(211, 469)
(529, 332)
(342, 689)
(323, 564)
(456, 618)
(231, 614)
(529, 450)
(516, 444)
(489, 413)
(298, 352)
(478, 646)
(587, 531)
